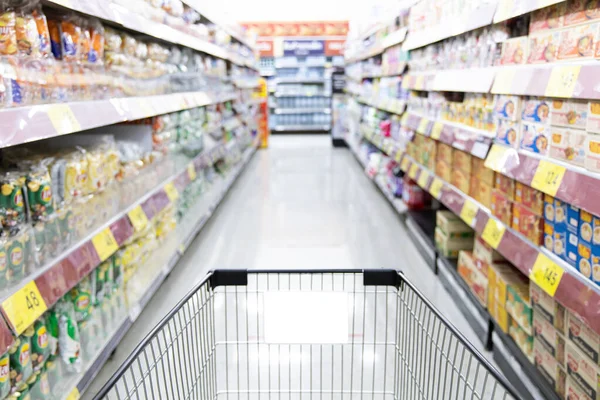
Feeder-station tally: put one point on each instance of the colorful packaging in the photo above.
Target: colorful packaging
(572, 234)
(20, 358)
(507, 133)
(485, 254)
(482, 192)
(507, 107)
(39, 345)
(536, 110)
(8, 33)
(515, 51)
(528, 223)
(462, 161)
(595, 249)
(550, 369)
(560, 228)
(496, 310)
(501, 207)
(450, 247)
(544, 306)
(530, 198)
(583, 371)
(568, 145)
(28, 42)
(574, 391)
(460, 179)
(442, 170)
(548, 18)
(586, 340)
(518, 305)
(452, 225)
(43, 32)
(505, 185)
(571, 113)
(593, 119)
(481, 172)
(578, 42)
(552, 341)
(473, 277)
(580, 11)
(68, 339)
(535, 138)
(445, 153)
(543, 47)
(4, 375)
(592, 152)
(586, 233)
(521, 337)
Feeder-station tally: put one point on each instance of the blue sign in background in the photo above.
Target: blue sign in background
(303, 47)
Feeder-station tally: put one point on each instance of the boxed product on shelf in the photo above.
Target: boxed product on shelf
(583, 371)
(550, 369)
(450, 247)
(481, 191)
(515, 51)
(578, 41)
(507, 107)
(593, 119)
(501, 207)
(529, 197)
(528, 223)
(443, 170)
(543, 47)
(551, 17)
(573, 217)
(505, 185)
(452, 226)
(549, 337)
(481, 172)
(592, 152)
(444, 153)
(460, 179)
(577, 12)
(484, 253)
(571, 113)
(535, 138)
(560, 228)
(574, 391)
(568, 145)
(475, 278)
(518, 303)
(462, 161)
(521, 337)
(581, 336)
(536, 110)
(544, 306)
(496, 309)
(508, 133)
(587, 227)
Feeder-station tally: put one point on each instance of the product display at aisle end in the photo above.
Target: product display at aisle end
(117, 146)
(489, 140)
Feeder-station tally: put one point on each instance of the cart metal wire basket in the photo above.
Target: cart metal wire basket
(335, 334)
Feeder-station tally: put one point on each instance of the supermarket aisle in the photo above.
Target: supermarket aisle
(300, 204)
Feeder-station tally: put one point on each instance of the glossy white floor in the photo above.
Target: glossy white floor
(300, 204)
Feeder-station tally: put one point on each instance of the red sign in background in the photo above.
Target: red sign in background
(298, 28)
(265, 47)
(334, 47)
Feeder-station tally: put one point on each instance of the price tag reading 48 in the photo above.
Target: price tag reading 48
(24, 307)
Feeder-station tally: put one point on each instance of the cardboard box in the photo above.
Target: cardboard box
(481, 172)
(505, 185)
(535, 138)
(523, 339)
(578, 42)
(572, 234)
(569, 113)
(515, 51)
(528, 223)
(508, 133)
(462, 161)
(529, 197)
(550, 369)
(544, 306)
(548, 18)
(574, 391)
(507, 107)
(549, 222)
(484, 194)
(568, 145)
(442, 170)
(477, 282)
(580, 11)
(593, 120)
(543, 47)
(485, 253)
(444, 153)
(583, 371)
(448, 247)
(518, 305)
(560, 228)
(497, 312)
(501, 207)
(584, 246)
(592, 152)
(552, 341)
(580, 335)
(460, 179)
(452, 226)
(536, 110)
(504, 276)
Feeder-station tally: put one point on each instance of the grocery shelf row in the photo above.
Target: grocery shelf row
(390, 40)
(161, 266)
(302, 110)
(572, 289)
(119, 15)
(31, 123)
(388, 104)
(301, 128)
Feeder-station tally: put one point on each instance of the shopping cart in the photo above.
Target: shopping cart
(335, 334)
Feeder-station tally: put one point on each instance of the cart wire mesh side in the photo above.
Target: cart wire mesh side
(245, 335)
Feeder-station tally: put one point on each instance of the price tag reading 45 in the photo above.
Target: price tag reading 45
(547, 274)
(105, 244)
(548, 177)
(24, 307)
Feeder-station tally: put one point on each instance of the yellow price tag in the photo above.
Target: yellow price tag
(493, 232)
(105, 244)
(404, 164)
(191, 169)
(138, 218)
(503, 80)
(172, 193)
(62, 118)
(404, 119)
(74, 395)
(548, 177)
(436, 131)
(436, 188)
(469, 212)
(414, 170)
(398, 156)
(562, 81)
(494, 158)
(423, 179)
(406, 82)
(420, 82)
(24, 307)
(423, 125)
(546, 274)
